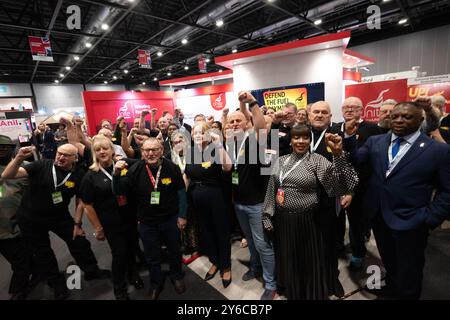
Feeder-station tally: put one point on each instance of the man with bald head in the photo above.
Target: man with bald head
(352, 204)
(44, 208)
(408, 194)
(249, 188)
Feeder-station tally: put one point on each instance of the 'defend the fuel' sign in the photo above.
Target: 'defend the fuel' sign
(277, 99)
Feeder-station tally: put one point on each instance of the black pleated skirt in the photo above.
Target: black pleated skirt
(305, 266)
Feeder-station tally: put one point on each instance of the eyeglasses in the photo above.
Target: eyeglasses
(152, 150)
(66, 155)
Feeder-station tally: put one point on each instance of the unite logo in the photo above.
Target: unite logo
(125, 110)
(218, 101)
(372, 109)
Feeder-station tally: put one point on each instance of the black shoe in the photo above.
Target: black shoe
(99, 274)
(209, 276)
(137, 283)
(21, 295)
(154, 294)
(225, 283)
(179, 286)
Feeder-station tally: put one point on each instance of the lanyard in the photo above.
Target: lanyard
(236, 156)
(106, 173)
(314, 146)
(393, 161)
(54, 178)
(282, 177)
(152, 180)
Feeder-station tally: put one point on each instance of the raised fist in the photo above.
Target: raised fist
(119, 166)
(246, 97)
(25, 152)
(334, 141)
(145, 113)
(153, 111)
(351, 127)
(424, 102)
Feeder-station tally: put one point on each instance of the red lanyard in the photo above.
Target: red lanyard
(152, 180)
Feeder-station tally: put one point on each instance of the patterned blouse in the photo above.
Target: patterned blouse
(300, 185)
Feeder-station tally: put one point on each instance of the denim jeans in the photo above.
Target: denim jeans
(261, 248)
(152, 236)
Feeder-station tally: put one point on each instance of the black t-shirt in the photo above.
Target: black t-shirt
(284, 134)
(37, 201)
(137, 183)
(252, 185)
(96, 190)
(203, 167)
(322, 146)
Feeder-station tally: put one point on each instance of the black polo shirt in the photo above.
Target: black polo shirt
(96, 190)
(37, 201)
(284, 135)
(138, 184)
(203, 167)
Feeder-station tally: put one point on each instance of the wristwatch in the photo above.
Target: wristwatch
(252, 104)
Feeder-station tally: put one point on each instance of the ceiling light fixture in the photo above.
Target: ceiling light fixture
(115, 77)
(219, 23)
(208, 60)
(220, 70)
(169, 74)
(155, 79)
(88, 44)
(234, 50)
(104, 26)
(317, 22)
(61, 75)
(186, 68)
(402, 21)
(184, 41)
(143, 83)
(105, 82)
(56, 81)
(76, 58)
(159, 54)
(68, 68)
(125, 71)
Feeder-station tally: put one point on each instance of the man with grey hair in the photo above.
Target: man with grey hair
(352, 204)
(442, 134)
(384, 120)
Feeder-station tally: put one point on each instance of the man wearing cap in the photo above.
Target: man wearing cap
(12, 245)
(44, 208)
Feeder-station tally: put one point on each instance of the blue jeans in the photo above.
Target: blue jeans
(261, 248)
(151, 235)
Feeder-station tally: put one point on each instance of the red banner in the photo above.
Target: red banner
(418, 90)
(218, 101)
(144, 59)
(40, 49)
(202, 64)
(374, 93)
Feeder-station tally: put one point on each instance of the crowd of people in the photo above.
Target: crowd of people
(287, 178)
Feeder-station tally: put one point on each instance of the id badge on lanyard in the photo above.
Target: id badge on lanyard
(57, 195)
(155, 196)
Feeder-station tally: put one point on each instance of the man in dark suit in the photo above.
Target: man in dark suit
(406, 166)
(353, 204)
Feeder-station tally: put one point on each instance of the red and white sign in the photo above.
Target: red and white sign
(40, 49)
(202, 64)
(144, 59)
(110, 105)
(14, 128)
(374, 93)
(218, 101)
(419, 90)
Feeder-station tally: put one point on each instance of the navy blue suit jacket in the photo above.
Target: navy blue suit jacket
(404, 198)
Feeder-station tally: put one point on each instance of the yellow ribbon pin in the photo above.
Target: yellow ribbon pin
(69, 184)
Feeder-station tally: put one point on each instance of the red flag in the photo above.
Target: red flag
(202, 64)
(40, 49)
(144, 59)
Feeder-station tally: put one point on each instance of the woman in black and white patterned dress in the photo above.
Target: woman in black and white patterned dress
(292, 203)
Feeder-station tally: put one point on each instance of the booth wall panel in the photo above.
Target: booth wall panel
(53, 98)
(16, 90)
(429, 49)
(316, 66)
(102, 87)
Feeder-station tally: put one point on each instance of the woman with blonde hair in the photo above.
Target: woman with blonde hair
(110, 216)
